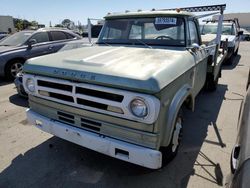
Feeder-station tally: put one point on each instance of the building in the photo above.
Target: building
(243, 19)
(6, 24)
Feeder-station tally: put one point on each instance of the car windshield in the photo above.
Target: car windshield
(16, 39)
(163, 31)
(212, 29)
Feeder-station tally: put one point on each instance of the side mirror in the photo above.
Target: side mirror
(195, 47)
(31, 42)
(240, 33)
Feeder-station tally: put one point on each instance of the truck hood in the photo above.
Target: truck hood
(131, 68)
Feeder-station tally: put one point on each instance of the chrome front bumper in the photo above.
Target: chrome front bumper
(115, 148)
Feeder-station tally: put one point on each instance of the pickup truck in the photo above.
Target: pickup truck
(230, 31)
(124, 96)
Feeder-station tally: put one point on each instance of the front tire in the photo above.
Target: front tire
(13, 68)
(169, 152)
(211, 84)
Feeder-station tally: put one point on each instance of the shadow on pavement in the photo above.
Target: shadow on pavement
(234, 64)
(19, 101)
(58, 163)
(217, 177)
(4, 82)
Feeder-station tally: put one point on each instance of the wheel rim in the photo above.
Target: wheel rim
(176, 135)
(16, 68)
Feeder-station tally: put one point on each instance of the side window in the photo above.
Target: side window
(69, 36)
(58, 35)
(112, 33)
(41, 37)
(234, 30)
(193, 33)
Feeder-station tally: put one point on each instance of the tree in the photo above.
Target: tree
(58, 25)
(34, 23)
(26, 24)
(66, 23)
(18, 24)
(21, 24)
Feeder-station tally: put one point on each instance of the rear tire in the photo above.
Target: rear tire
(236, 52)
(13, 68)
(211, 84)
(169, 152)
(230, 60)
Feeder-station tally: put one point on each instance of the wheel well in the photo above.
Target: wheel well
(12, 60)
(189, 103)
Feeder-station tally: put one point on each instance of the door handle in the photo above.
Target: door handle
(51, 47)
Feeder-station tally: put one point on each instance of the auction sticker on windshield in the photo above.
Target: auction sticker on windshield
(165, 21)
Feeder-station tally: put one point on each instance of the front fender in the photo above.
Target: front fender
(182, 94)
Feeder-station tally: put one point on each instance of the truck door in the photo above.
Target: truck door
(235, 31)
(200, 56)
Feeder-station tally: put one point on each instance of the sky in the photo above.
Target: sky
(55, 11)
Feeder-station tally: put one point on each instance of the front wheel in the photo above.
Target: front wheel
(169, 152)
(13, 68)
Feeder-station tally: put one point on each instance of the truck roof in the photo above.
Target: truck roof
(151, 13)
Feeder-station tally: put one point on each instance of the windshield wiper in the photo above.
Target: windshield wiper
(144, 43)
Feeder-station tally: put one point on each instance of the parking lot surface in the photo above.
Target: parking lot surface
(31, 158)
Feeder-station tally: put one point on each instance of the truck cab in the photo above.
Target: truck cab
(124, 96)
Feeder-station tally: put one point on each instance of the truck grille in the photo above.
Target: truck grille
(104, 95)
(92, 125)
(67, 118)
(80, 95)
(99, 99)
(54, 85)
(84, 123)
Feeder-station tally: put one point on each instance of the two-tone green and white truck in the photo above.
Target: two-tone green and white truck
(123, 96)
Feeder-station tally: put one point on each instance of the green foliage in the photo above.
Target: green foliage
(21, 24)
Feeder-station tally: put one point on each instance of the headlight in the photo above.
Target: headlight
(139, 108)
(30, 84)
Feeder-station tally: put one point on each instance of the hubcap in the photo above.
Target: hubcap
(176, 135)
(16, 68)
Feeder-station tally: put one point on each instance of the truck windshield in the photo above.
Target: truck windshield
(163, 31)
(212, 29)
(16, 39)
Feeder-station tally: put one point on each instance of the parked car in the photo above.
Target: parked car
(17, 48)
(69, 46)
(230, 31)
(3, 35)
(240, 158)
(246, 35)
